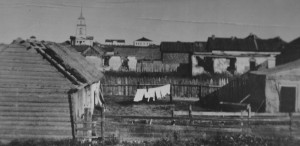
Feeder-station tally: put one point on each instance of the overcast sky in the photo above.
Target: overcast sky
(158, 20)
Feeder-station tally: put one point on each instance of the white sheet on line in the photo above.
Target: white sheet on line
(139, 95)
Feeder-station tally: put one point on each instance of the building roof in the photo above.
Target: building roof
(73, 62)
(116, 40)
(250, 43)
(108, 49)
(141, 53)
(64, 58)
(144, 39)
(279, 68)
(182, 47)
(81, 48)
(93, 51)
(24, 70)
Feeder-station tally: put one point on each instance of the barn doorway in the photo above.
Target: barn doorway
(287, 99)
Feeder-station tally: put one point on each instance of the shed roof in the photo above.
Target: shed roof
(69, 58)
(279, 68)
(250, 43)
(182, 47)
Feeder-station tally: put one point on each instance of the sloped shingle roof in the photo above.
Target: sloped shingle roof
(283, 67)
(182, 47)
(250, 43)
(68, 57)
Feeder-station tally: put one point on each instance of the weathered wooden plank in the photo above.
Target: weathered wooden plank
(30, 73)
(29, 69)
(34, 104)
(32, 90)
(13, 76)
(6, 138)
(35, 109)
(39, 96)
(34, 62)
(36, 81)
(36, 123)
(39, 131)
(34, 86)
(35, 117)
(22, 58)
(26, 65)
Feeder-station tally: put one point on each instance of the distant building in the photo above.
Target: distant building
(114, 42)
(143, 42)
(179, 54)
(81, 37)
(238, 55)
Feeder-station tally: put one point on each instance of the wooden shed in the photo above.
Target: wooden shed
(44, 88)
(281, 87)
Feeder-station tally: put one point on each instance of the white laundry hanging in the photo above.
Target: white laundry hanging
(139, 95)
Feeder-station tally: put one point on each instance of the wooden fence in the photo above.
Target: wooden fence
(127, 86)
(193, 123)
(156, 66)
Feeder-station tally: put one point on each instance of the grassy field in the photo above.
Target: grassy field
(218, 140)
(120, 105)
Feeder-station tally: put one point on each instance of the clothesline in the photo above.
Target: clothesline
(154, 93)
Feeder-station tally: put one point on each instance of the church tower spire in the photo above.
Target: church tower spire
(81, 37)
(81, 26)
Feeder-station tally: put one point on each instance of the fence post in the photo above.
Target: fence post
(242, 124)
(190, 114)
(291, 123)
(172, 114)
(171, 97)
(199, 93)
(87, 118)
(249, 114)
(102, 125)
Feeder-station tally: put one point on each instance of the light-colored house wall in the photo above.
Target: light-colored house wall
(142, 43)
(289, 78)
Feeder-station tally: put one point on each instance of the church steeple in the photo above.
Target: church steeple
(81, 26)
(81, 16)
(81, 37)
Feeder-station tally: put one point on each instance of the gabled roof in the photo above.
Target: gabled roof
(144, 39)
(73, 62)
(250, 43)
(66, 60)
(279, 68)
(81, 48)
(112, 40)
(141, 53)
(182, 47)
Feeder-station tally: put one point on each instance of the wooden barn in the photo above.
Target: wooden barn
(44, 89)
(280, 88)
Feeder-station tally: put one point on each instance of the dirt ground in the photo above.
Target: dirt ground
(124, 105)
